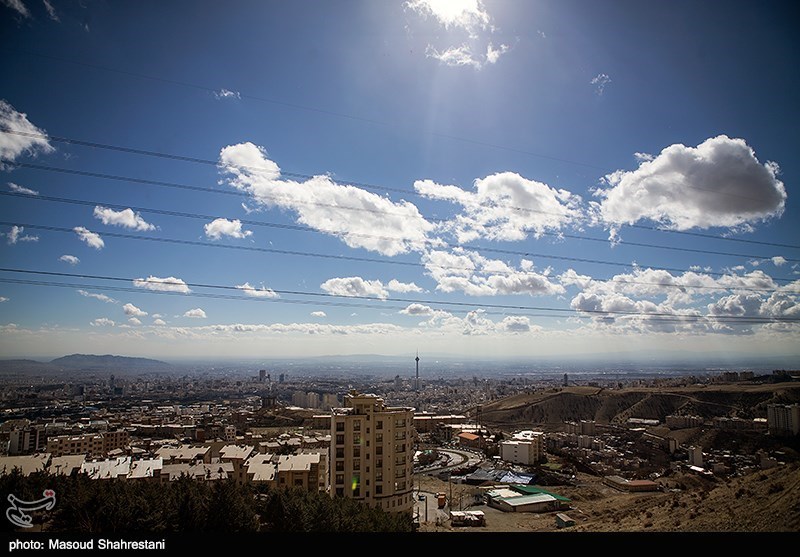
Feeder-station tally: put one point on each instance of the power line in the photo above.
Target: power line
(302, 107)
(360, 234)
(342, 115)
(327, 303)
(309, 176)
(387, 299)
(373, 260)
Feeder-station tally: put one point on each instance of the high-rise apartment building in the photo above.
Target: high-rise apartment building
(372, 452)
(783, 419)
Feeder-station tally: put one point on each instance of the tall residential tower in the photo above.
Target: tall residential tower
(372, 452)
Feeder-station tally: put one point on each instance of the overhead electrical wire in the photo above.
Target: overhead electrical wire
(301, 228)
(380, 261)
(731, 318)
(333, 113)
(308, 177)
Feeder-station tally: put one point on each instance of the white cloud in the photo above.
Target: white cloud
(719, 183)
(134, 321)
(126, 218)
(262, 292)
(318, 314)
(463, 55)
(516, 324)
(102, 322)
(3, 299)
(474, 275)
(15, 235)
(643, 157)
(600, 81)
(159, 322)
(71, 259)
(195, 313)
(778, 260)
(101, 297)
(360, 218)
(19, 189)
(417, 309)
(92, 239)
(454, 56)
(397, 286)
(169, 284)
(355, 286)
(131, 309)
(51, 11)
(227, 94)
(224, 227)
(504, 207)
(18, 7)
(469, 15)
(465, 16)
(25, 138)
(493, 54)
(654, 300)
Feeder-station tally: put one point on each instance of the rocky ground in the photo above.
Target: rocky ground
(764, 501)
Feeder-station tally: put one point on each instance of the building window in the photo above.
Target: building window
(356, 465)
(340, 492)
(340, 439)
(379, 424)
(356, 451)
(339, 426)
(378, 450)
(339, 478)
(340, 466)
(340, 452)
(379, 437)
(378, 489)
(356, 425)
(379, 463)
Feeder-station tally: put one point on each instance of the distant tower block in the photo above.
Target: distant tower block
(566, 380)
(262, 374)
(416, 383)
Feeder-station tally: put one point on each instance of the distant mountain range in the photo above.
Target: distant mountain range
(91, 361)
(85, 362)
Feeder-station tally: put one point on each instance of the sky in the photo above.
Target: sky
(483, 179)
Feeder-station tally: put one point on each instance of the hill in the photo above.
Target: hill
(615, 406)
(91, 362)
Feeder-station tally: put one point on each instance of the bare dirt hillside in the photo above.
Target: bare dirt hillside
(610, 406)
(765, 501)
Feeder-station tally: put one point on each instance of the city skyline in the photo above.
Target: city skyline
(483, 179)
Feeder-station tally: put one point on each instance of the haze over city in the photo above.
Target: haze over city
(476, 179)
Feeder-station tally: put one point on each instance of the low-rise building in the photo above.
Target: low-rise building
(623, 484)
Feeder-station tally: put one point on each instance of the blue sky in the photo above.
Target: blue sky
(486, 179)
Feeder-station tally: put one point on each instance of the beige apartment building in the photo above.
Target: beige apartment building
(372, 452)
(783, 419)
(92, 444)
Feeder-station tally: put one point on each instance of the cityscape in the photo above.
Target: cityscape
(449, 453)
(408, 268)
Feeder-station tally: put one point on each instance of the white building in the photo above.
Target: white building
(526, 447)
